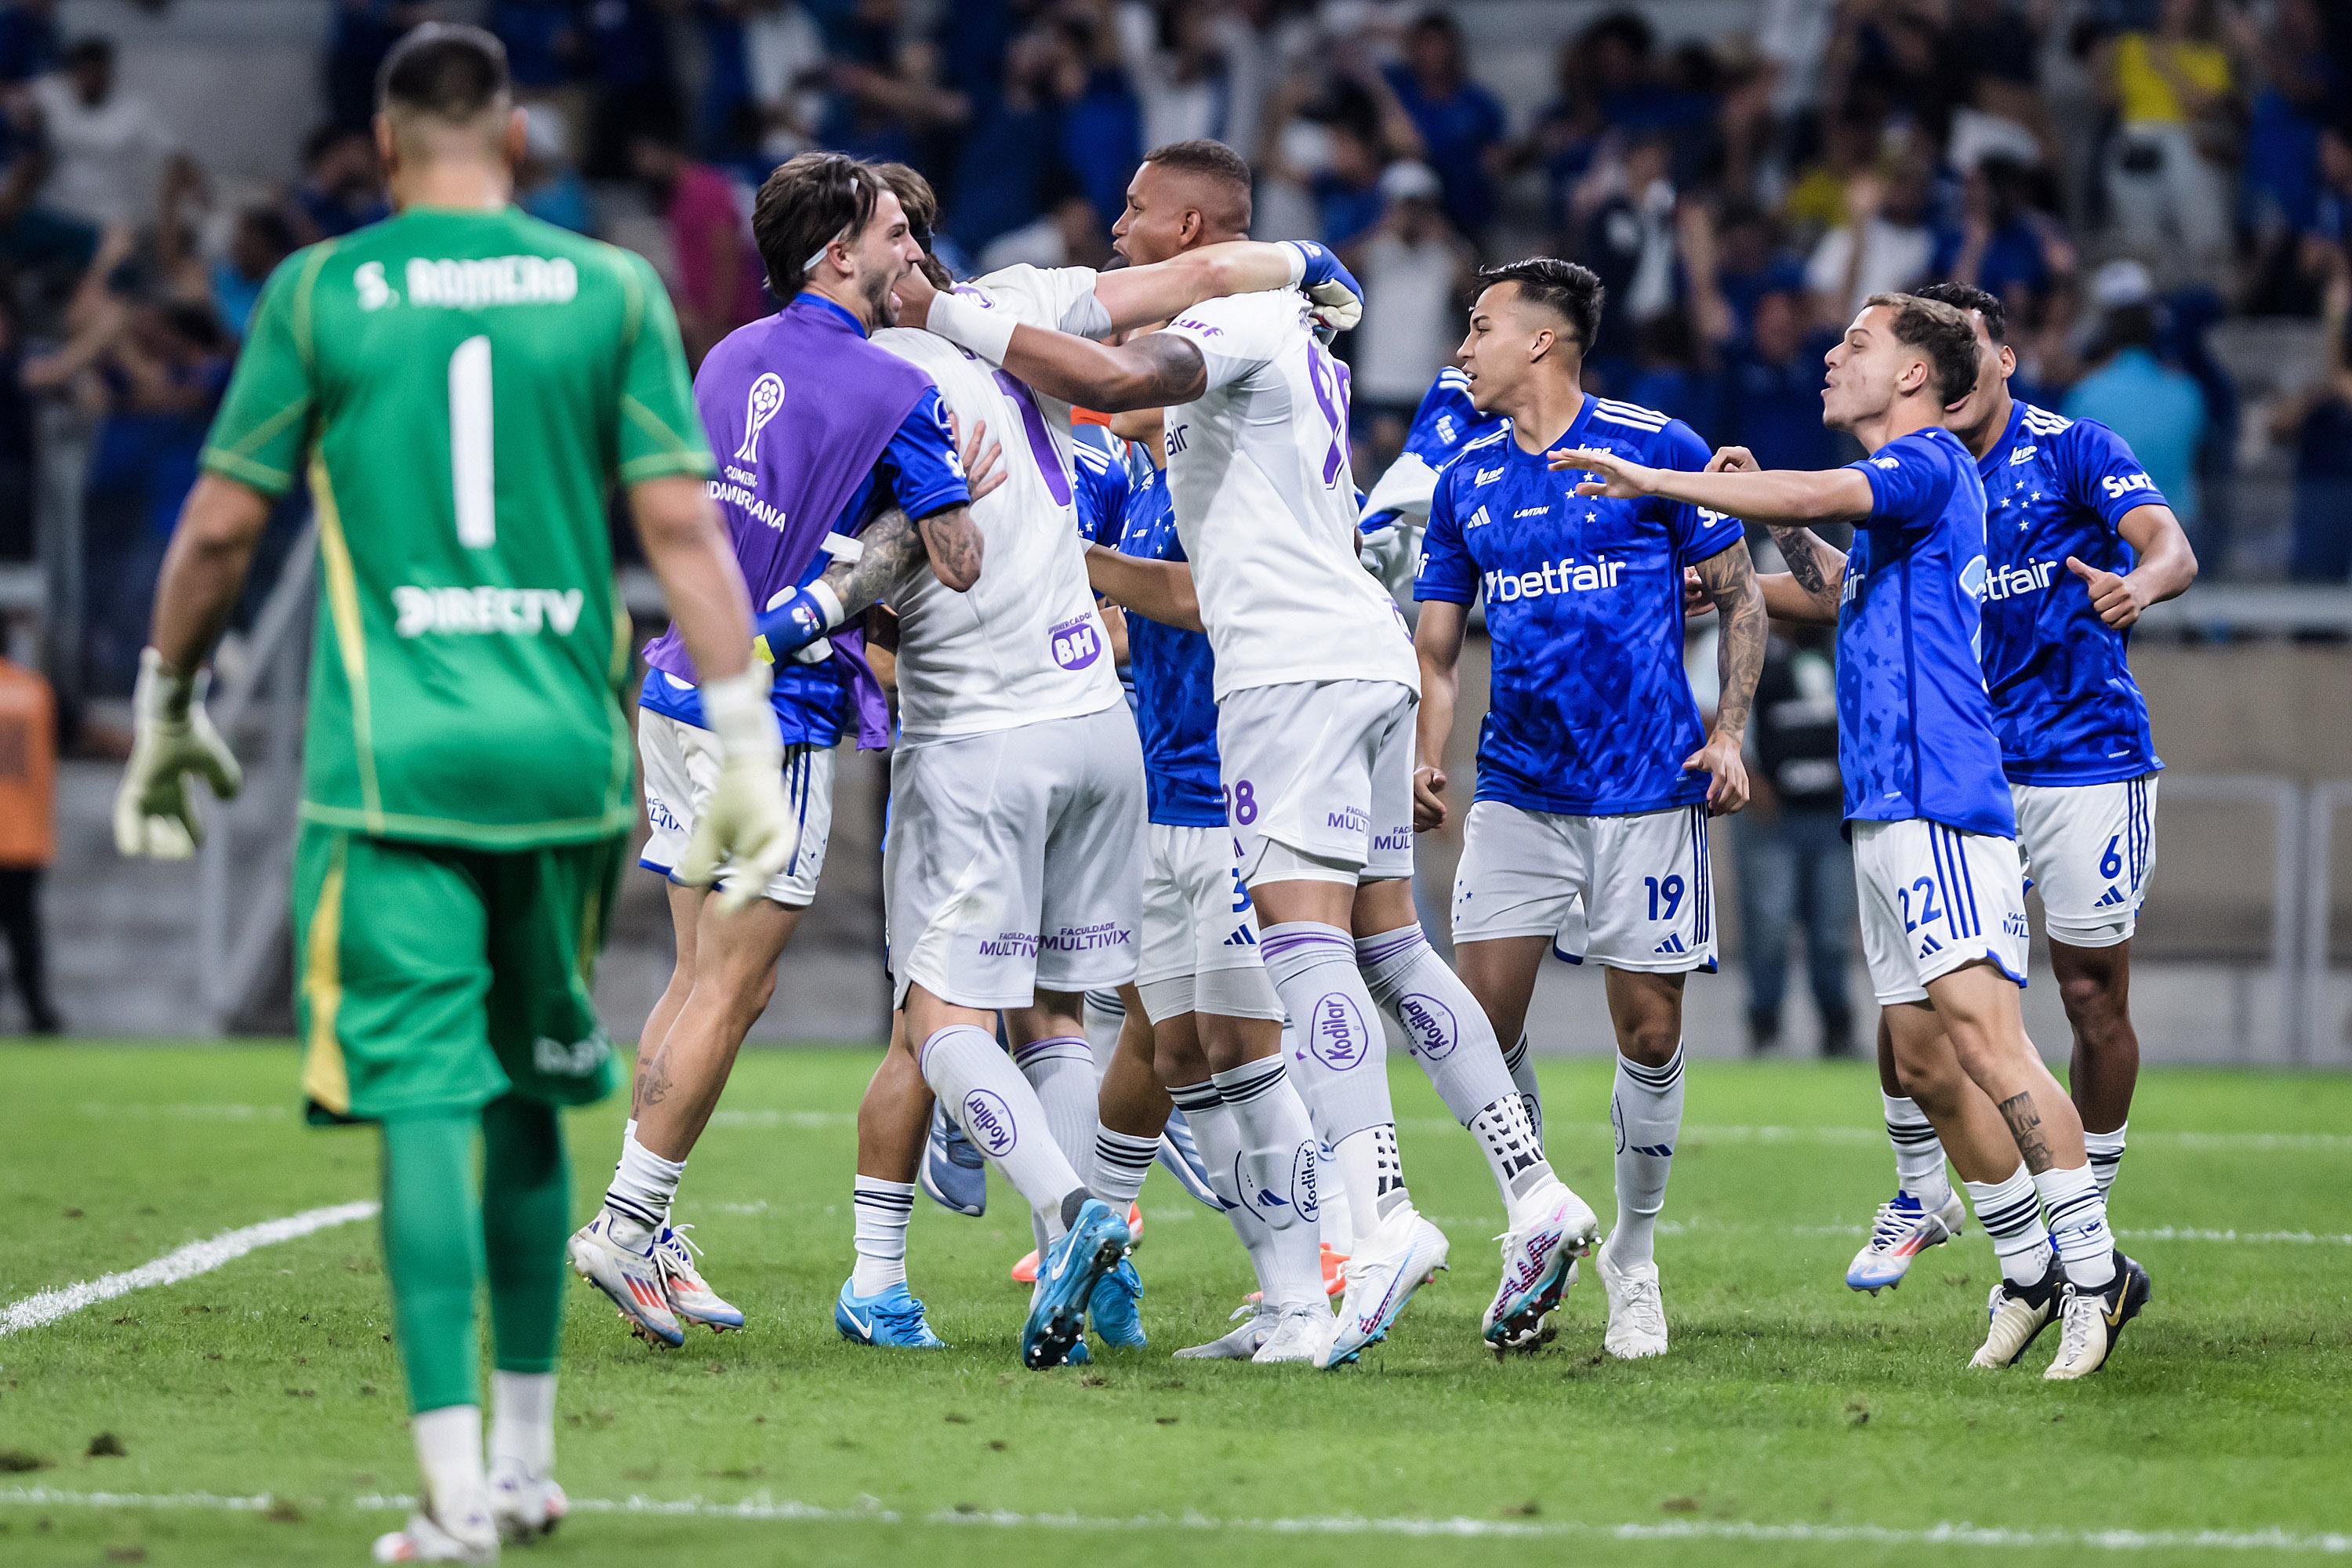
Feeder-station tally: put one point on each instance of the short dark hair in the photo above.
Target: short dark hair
(1212, 161)
(447, 70)
(1942, 333)
(1966, 297)
(1569, 292)
(812, 200)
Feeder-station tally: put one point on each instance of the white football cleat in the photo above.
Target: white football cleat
(1539, 1257)
(1637, 1312)
(1299, 1335)
(1401, 1255)
(631, 1279)
(525, 1506)
(2090, 1322)
(464, 1535)
(2016, 1315)
(691, 1299)
(1256, 1323)
(1900, 1231)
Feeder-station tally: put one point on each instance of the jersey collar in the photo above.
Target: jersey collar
(1570, 438)
(1992, 461)
(824, 307)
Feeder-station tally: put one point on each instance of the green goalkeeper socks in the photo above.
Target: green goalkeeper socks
(437, 1232)
(433, 1255)
(525, 1222)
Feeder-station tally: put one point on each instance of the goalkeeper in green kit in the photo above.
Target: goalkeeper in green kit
(461, 386)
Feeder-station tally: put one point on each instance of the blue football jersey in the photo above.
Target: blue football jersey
(1914, 722)
(2063, 700)
(1590, 713)
(1101, 468)
(1175, 677)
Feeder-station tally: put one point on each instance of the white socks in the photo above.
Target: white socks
(2010, 1213)
(1279, 1149)
(2107, 1152)
(1520, 1063)
(1919, 1156)
(522, 1420)
(1061, 1068)
(1121, 1161)
(1339, 1217)
(1645, 1106)
(1342, 1055)
(639, 1198)
(449, 1456)
(880, 1211)
(1448, 1035)
(2076, 1212)
(1000, 1113)
(1288, 1262)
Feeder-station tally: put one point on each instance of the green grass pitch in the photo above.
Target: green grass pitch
(1793, 1422)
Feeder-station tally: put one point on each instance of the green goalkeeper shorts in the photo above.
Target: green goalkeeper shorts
(431, 979)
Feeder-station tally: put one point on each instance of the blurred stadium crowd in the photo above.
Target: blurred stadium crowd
(2131, 175)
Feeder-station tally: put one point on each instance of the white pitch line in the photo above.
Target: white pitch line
(196, 1257)
(764, 1509)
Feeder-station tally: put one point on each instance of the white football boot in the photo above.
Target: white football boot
(631, 1279)
(1556, 1227)
(1254, 1323)
(525, 1506)
(2015, 1316)
(691, 1299)
(464, 1532)
(1637, 1312)
(1299, 1335)
(1401, 1255)
(1900, 1231)
(2090, 1322)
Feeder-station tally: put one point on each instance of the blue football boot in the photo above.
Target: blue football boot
(1095, 1243)
(1180, 1158)
(893, 1319)
(953, 1171)
(1112, 1309)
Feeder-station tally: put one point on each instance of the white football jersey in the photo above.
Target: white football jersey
(1257, 466)
(1026, 644)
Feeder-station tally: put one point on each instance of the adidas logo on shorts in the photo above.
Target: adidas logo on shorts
(1672, 944)
(2109, 900)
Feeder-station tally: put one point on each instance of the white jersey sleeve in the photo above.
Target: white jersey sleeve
(1240, 332)
(1061, 298)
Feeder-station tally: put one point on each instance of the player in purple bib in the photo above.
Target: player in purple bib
(818, 434)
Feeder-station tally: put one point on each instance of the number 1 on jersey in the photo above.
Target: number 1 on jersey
(471, 469)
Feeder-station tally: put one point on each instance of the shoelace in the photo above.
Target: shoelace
(2075, 1317)
(678, 1261)
(1890, 1224)
(1646, 1306)
(904, 1318)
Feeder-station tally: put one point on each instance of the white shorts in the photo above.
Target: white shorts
(2088, 849)
(681, 765)
(1631, 892)
(1323, 770)
(1198, 922)
(1016, 861)
(1933, 899)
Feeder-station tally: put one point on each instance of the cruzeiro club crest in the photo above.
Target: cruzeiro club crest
(767, 397)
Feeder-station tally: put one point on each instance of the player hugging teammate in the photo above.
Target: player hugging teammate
(463, 384)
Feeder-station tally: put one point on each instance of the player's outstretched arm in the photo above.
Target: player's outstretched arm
(748, 827)
(204, 568)
(1156, 371)
(1767, 496)
(1159, 591)
(1729, 580)
(2164, 567)
(1137, 296)
(1437, 644)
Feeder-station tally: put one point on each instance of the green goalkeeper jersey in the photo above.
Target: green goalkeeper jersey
(462, 390)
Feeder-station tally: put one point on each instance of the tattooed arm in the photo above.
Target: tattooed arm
(1728, 578)
(1809, 590)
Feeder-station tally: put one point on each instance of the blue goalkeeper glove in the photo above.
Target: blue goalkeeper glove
(1337, 297)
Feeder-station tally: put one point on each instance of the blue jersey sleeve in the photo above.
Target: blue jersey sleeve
(1910, 478)
(2102, 473)
(1698, 533)
(926, 475)
(1102, 493)
(1447, 572)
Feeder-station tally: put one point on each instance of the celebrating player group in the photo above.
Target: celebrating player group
(885, 491)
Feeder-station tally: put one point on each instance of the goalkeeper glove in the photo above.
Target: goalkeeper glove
(746, 826)
(1338, 299)
(171, 737)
